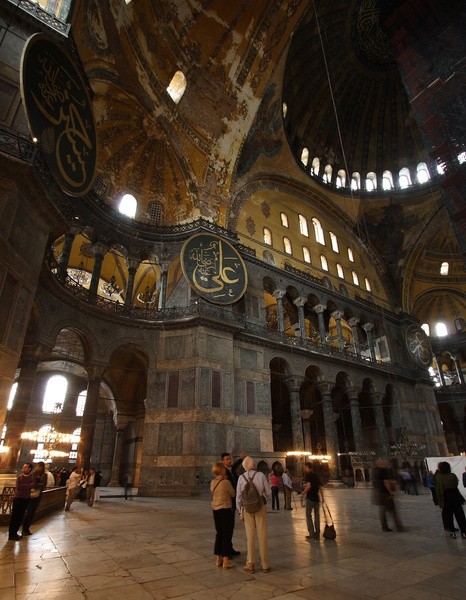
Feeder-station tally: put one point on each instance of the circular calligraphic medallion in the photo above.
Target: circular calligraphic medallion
(214, 269)
(418, 345)
(59, 113)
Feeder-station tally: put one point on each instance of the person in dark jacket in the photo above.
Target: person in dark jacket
(20, 501)
(39, 483)
(450, 500)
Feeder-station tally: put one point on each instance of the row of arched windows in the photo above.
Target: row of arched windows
(128, 206)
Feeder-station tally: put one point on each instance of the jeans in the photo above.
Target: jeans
(313, 526)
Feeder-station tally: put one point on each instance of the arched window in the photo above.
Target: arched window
(441, 168)
(284, 109)
(318, 231)
(81, 403)
(54, 396)
(327, 176)
(284, 219)
(367, 284)
(350, 255)
(355, 277)
(425, 327)
(315, 167)
(128, 205)
(305, 156)
(445, 268)
(341, 178)
(334, 242)
(11, 397)
(441, 330)
(340, 272)
(387, 181)
(404, 178)
(303, 229)
(371, 182)
(177, 86)
(355, 181)
(306, 255)
(422, 173)
(74, 447)
(267, 236)
(323, 262)
(287, 245)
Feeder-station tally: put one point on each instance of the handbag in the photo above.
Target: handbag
(35, 493)
(329, 529)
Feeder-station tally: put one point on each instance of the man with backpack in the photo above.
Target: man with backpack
(252, 493)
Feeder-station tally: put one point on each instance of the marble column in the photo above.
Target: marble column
(278, 295)
(163, 286)
(133, 265)
(117, 455)
(356, 420)
(368, 327)
(66, 253)
(382, 436)
(337, 315)
(99, 253)
(331, 435)
(17, 416)
(438, 358)
(294, 384)
(319, 310)
(353, 323)
(306, 418)
(300, 303)
(457, 360)
(89, 419)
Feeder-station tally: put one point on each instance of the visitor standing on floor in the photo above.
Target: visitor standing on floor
(313, 495)
(450, 499)
(274, 481)
(383, 493)
(254, 522)
(222, 492)
(39, 483)
(72, 487)
(287, 489)
(20, 501)
(227, 463)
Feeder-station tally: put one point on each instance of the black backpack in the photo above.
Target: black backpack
(251, 499)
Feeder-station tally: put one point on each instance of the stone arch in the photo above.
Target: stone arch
(311, 410)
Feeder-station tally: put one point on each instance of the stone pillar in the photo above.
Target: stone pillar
(133, 264)
(99, 253)
(17, 416)
(356, 420)
(353, 323)
(117, 456)
(300, 303)
(278, 295)
(368, 327)
(337, 315)
(66, 252)
(89, 419)
(331, 436)
(438, 358)
(163, 286)
(457, 360)
(294, 384)
(319, 309)
(376, 399)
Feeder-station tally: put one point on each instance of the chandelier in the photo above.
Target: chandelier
(79, 275)
(110, 288)
(147, 297)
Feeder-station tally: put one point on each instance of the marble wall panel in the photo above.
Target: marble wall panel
(210, 438)
(204, 388)
(175, 347)
(170, 440)
(248, 359)
(218, 348)
(187, 389)
(248, 439)
(156, 391)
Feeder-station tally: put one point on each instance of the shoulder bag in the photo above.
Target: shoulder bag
(329, 529)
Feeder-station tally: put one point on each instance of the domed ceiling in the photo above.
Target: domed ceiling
(342, 89)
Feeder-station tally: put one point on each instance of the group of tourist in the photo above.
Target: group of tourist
(30, 485)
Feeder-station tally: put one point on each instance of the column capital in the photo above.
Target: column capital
(99, 248)
(337, 314)
(278, 294)
(325, 387)
(133, 263)
(368, 326)
(319, 308)
(300, 301)
(294, 382)
(353, 321)
(95, 371)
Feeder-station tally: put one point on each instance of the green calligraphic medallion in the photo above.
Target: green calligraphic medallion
(59, 113)
(214, 269)
(418, 345)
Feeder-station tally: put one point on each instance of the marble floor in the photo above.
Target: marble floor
(148, 548)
